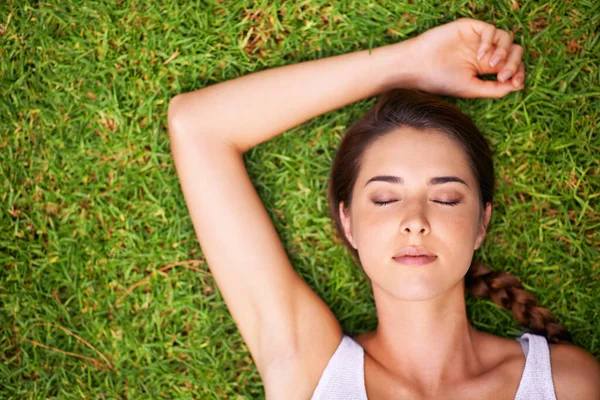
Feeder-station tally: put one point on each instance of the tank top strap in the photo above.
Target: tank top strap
(536, 381)
(344, 375)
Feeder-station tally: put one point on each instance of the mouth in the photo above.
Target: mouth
(414, 256)
(415, 260)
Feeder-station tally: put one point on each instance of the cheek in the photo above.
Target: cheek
(459, 233)
(374, 235)
(462, 223)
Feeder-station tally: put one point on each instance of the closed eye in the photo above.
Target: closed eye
(450, 203)
(383, 203)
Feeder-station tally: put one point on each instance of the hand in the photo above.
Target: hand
(449, 58)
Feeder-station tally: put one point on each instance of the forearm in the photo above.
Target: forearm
(254, 108)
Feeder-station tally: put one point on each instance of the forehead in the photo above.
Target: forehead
(415, 155)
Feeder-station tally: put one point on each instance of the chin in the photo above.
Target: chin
(413, 291)
(419, 283)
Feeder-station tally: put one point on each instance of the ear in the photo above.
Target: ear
(487, 214)
(347, 224)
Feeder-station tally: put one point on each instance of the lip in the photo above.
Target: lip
(414, 252)
(414, 256)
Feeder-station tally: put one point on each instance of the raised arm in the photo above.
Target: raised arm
(251, 109)
(254, 108)
(289, 330)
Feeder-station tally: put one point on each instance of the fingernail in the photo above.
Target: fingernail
(504, 76)
(480, 55)
(519, 81)
(495, 61)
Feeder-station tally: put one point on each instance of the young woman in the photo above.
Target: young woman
(410, 192)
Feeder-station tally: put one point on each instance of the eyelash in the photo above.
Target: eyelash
(383, 203)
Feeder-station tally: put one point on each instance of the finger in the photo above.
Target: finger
(512, 63)
(503, 41)
(487, 34)
(518, 78)
(479, 88)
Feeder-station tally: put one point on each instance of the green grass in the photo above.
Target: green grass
(91, 204)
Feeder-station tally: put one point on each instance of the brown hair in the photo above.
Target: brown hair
(410, 108)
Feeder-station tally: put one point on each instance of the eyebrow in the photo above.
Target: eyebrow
(438, 180)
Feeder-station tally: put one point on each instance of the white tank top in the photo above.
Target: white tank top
(344, 375)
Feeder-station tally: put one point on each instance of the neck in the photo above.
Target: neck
(429, 343)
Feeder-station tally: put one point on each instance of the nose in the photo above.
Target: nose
(415, 221)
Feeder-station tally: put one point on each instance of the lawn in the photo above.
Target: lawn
(104, 292)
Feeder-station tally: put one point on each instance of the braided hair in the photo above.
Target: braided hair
(504, 289)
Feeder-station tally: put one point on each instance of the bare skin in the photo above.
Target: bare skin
(211, 128)
(425, 305)
(495, 372)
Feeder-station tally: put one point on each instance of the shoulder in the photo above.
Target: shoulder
(575, 372)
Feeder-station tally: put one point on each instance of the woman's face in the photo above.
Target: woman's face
(416, 216)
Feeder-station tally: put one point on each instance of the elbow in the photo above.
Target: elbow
(179, 125)
(176, 116)
(183, 124)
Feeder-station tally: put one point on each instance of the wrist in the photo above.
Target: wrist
(399, 66)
